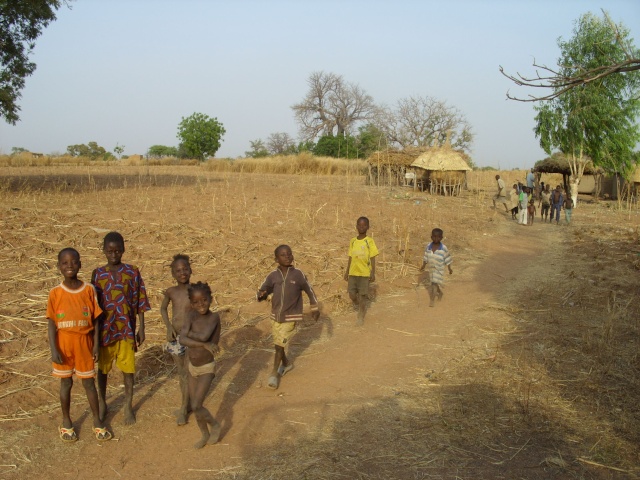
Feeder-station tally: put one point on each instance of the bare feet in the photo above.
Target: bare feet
(202, 442)
(214, 433)
(360, 319)
(129, 417)
(181, 417)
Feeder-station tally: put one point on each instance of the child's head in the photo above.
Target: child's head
(362, 225)
(284, 255)
(436, 235)
(200, 297)
(113, 247)
(181, 268)
(69, 263)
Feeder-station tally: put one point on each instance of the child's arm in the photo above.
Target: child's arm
(313, 300)
(191, 339)
(52, 332)
(346, 273)
(164, 311)
(372, 277)
(140, 335)
(265, 290)
(96, 337)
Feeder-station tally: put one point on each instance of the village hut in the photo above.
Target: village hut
(442, 170)
(393, 167)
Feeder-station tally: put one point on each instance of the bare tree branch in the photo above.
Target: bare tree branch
(571, 76)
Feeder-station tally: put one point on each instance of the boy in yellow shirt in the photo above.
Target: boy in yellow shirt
(361, 267)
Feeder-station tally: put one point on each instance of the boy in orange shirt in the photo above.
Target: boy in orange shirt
(72, 310)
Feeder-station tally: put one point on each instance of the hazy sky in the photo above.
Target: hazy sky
(126, 71)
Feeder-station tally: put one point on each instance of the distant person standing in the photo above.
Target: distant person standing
(545, 201)
(501, 196)
(531, 180)
(523, 201)
(556, 204)
(568, 208)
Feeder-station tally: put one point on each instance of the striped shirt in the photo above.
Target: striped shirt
(436, 262)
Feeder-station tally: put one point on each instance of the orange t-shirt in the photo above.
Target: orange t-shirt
(73, 311)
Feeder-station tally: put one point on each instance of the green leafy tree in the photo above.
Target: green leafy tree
(160, 151)
(118, 150)
(337, 147)
(200, 136)
(370, 139)
(595, 121)
(91, 150)
(17, 150)
(21, 23)
(258, 150)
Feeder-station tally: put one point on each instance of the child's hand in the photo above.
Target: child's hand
(346, 276)
(450, 270)
(372, 277)
(140, 337)
(315, 315)
(261, 295)
(171, 335)
(96, 351)
(212, 347)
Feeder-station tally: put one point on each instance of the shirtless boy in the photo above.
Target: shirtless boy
(531, 212)
(200, 334)
(178, 297)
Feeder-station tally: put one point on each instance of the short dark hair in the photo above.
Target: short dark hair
(200, 287)
(279, 247)
(363, 218)
(113, 237)
(437, 230)
(181, 256)
(68, 250)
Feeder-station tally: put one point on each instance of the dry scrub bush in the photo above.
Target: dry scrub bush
(304, 163)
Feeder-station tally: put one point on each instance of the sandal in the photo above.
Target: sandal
(102, 434)
(68, 434)
(273, 382)
(282, 371)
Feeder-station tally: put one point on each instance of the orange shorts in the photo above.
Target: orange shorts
(123, 352)
(77, 356)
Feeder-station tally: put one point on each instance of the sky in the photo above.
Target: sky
(125, 72)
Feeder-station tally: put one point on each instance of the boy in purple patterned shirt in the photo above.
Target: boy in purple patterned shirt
(122, 297)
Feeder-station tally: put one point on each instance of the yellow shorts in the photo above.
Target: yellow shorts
(282, 332)
(123, 352)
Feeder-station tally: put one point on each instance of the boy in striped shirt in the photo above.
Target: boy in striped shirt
(436, 255)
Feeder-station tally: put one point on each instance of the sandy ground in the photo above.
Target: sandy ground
(340, 369)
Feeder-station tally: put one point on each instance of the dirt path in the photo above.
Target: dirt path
(338, 366)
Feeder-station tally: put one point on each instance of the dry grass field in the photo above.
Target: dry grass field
(529, 368)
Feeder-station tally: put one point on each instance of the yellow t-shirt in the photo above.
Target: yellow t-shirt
(361, 252)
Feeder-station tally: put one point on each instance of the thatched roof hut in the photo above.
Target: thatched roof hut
(444, 169)
(441, 169)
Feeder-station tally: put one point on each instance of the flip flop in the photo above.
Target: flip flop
(68, 434)
(273, 382)
(102, 434)
(282, 371)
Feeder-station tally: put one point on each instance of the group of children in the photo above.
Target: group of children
(525, 209)
(101, 323)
